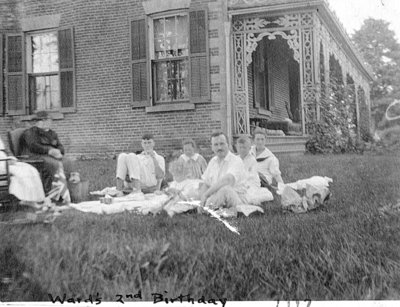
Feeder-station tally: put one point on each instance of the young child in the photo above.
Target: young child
(193, 163)
(186, 188)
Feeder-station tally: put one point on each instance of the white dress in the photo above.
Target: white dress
(25, 182)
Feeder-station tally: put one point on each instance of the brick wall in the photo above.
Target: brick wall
(105, 123)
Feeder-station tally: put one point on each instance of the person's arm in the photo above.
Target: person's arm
(228, 179)
(158, 167)
(275, 171)
(59, 146)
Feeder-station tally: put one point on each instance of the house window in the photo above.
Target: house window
(171, 59)
(40, 72)
(43, 71)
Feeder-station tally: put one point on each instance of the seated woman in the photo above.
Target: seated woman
(25, 183)
(267, 163)
(193, 163)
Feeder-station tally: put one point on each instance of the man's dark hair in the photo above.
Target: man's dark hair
(218, 133)
(147, 136)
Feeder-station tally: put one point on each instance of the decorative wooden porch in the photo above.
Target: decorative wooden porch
(313, 36)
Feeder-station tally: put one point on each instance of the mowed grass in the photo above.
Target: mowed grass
(344, 250)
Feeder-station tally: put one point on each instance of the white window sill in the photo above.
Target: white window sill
(171, 107)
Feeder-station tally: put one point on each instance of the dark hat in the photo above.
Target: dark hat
(42, 115)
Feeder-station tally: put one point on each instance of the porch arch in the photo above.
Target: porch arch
(297, 31)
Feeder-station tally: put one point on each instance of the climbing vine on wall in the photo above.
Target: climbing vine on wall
(336, 131)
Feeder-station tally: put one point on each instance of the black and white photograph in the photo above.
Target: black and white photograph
(200, 152)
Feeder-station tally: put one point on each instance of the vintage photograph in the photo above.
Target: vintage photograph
(199, 152)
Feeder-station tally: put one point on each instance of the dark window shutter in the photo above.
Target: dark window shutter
(199, 56)
(2, 106)
(67, 68)
(15, 87)
(139, 64)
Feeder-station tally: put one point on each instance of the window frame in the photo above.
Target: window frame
(26, 112)
(152, 57)
(28, 64)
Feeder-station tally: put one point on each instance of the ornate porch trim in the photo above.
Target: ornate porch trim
(298, 31)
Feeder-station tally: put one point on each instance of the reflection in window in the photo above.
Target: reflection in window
(171, 58)
(43, 71)
(46, 91)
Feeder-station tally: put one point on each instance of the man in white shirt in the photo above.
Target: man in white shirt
(224, 178)
(145, 171)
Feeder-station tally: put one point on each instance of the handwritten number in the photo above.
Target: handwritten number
(120, 298)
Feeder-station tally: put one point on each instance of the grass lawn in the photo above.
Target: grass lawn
(345, 250)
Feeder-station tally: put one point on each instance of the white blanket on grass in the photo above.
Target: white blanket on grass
(153, 203)
(138, 202)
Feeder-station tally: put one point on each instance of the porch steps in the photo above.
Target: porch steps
(287, 144)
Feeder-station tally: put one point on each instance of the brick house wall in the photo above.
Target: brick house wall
(105, 123)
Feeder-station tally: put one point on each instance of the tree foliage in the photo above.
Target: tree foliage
(379, 47)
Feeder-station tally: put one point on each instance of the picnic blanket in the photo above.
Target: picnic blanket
(154, 203)
(138, 202)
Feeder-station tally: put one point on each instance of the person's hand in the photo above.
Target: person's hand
(56, 153)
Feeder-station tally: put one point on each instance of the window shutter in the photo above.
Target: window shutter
(199, 57)
(139, 64)
(15, 93)
(2, 107)
(67, 68)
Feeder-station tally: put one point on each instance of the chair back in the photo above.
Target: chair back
(13, 140)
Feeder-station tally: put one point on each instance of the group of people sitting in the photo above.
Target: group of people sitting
(227, 178)
(46, 180)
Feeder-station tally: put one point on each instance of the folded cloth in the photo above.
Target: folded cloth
(304, 195)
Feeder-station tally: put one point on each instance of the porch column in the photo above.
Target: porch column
(241, 122)
(229, 100)
(309, 93)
